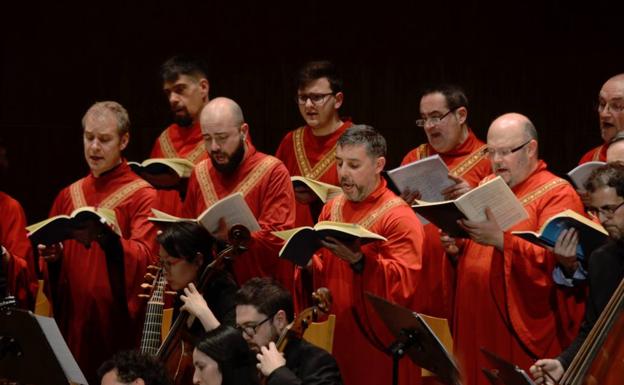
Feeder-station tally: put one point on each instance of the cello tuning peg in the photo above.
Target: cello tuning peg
(143, 296)
(149, 276)
(153, 267)
(147, 286)
(170, 292)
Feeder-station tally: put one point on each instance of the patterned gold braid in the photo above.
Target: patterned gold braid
(422, 151)
(111, 201)
(596, 156)
(371, 218)
(167, 146)
(77, 195)
(302, 159)
(470, 161)
(197, 152)
(246, 185)
(543, 189)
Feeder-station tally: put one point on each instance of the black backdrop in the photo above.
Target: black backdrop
(546, 60)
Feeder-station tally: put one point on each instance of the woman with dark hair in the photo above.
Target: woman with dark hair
(186, 249)
(222, 357)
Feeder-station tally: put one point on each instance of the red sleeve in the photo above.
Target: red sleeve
(277, 212)
(536, 308)
(22, 278)
(138, 242)
(284, 148)
(193, 198)
(392, 268)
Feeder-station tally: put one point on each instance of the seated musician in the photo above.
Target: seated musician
(606, 264)
(185, 251)
(131, 367)
(221, 357)
(264, 310)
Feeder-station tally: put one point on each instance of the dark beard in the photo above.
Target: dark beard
(183, 121)
(235, 160)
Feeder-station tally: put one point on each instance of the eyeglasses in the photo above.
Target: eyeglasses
(607, 211)
(503, 152)
(610, 107)
(166, 263)
(433, 120)
(251, 329)
(316, 99)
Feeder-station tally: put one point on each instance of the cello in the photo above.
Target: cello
(176, 352)
(600, 360)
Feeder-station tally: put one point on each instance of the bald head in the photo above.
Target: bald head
(512, 147)
(222, 109)
(224, 130)
(611, 107)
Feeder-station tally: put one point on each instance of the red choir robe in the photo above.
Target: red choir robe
(178, 142)
(22, 278)
(392, 270)
(595, 154)
(93, 322)
(507, 302)
(470, 162)
(314, 157)
(266, 186)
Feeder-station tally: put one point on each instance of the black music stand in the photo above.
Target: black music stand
(504, 372)
(33, 351)
(416, 339)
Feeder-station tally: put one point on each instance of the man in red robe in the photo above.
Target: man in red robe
(95, 277)
(506, 300)
(17, 267)
(310, 150)
(444, 114)
(610, 115)
(233, 166)
(389, 269)
(186, 86)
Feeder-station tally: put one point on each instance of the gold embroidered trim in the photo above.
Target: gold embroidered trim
(122, 193)
(596, 156)
(369, 219)
(195, 155)
(470, 161)
(167, 146)
(533, 195)
(111, 201)
(205, 183)
(77, 195)
(422, 151)
(246, 185)
(302, 159)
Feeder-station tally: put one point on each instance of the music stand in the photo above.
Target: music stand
(414, 337)
(33, 351)
(505, 372)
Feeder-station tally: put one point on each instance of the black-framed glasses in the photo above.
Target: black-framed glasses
(251, 329)
(316, 99)
(503, 152)
(434, 119)
(607, 211)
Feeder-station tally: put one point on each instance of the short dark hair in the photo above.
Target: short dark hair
(609, 175)
(314, 70)
(267, 296)
(131, 365)
(228, 348)
(364, 134)
(453, 94)
(185, 240)
(178, 65)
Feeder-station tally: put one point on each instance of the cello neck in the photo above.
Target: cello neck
(150, 339)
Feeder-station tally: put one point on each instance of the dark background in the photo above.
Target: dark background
(546, 60)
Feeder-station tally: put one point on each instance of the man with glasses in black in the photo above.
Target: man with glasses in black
(264, 311)
(606, 264)
(506, 300)
(443, 116)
